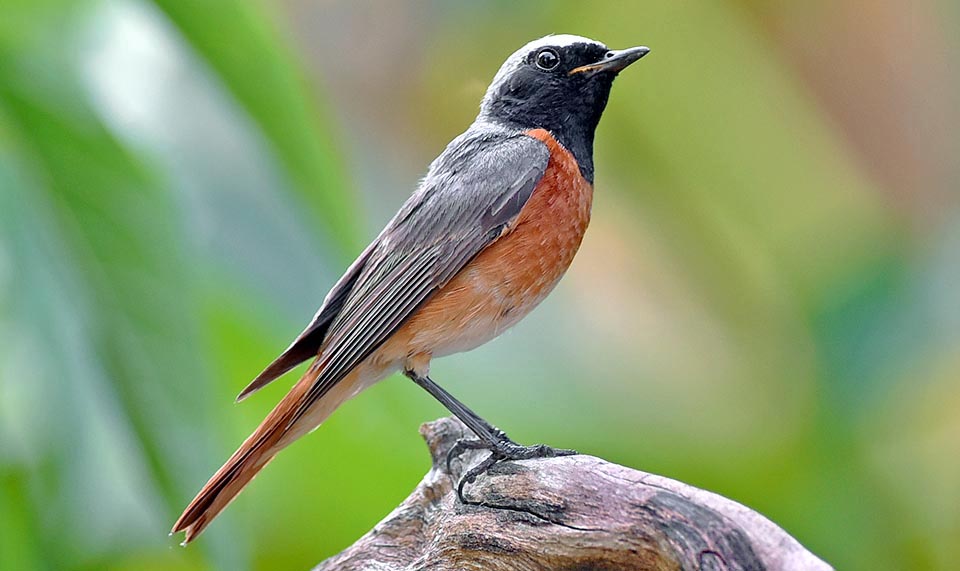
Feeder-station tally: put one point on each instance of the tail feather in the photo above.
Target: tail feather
(273, 434)
(222, 488)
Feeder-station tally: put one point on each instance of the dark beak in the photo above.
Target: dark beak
(614, 61)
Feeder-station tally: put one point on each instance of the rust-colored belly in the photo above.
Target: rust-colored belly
(511, 276)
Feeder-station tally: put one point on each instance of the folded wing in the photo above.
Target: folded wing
(473, 191)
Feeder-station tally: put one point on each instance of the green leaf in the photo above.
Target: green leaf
(239, 42)
(105, 301)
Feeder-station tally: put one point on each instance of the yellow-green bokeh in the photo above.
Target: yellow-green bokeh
(765, 304)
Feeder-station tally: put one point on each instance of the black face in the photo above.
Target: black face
(541, 92)
(561, 86)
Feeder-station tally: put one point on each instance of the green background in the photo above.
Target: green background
(766, 304)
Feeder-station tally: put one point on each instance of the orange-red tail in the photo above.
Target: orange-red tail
(273, 434)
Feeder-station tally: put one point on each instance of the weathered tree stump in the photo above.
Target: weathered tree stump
(571, 513)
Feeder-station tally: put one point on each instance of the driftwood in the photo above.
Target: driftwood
(570, 513)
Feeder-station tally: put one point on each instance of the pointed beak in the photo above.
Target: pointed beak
(614, 61)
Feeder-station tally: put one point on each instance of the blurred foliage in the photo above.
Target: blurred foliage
(765, 304)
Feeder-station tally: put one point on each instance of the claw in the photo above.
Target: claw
(462, 446)
(471, 476)
(504, 450)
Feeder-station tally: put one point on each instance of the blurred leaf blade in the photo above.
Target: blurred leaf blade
(237, 40)
(108, 225)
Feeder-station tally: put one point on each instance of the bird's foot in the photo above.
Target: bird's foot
(504, 450)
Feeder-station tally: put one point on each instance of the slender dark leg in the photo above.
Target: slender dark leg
(489, 437)
(483, 429)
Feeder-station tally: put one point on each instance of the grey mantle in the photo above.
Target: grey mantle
(571, 513)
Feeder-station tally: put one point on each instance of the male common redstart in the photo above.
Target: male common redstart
(486, 236)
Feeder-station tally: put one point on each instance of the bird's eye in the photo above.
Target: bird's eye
(547, 59)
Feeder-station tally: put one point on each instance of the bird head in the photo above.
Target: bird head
(556, 83)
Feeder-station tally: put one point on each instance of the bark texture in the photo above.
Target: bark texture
(569, 513)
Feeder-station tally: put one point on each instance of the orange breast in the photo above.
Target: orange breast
(511, 276)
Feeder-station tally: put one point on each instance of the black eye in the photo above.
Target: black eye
(547, 59)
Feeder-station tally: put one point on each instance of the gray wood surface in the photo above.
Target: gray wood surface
(570, 513)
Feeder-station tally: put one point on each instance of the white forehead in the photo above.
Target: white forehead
(557, 41)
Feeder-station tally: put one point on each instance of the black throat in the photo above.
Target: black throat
(570, 112)
(579, 142)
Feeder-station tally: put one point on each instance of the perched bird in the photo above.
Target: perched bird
(488, 233)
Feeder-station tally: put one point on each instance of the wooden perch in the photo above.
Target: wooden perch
(571, 513)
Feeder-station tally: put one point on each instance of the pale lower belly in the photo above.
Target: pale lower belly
(472, 310)
(478, 329)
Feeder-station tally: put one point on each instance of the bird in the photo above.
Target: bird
(487, 234)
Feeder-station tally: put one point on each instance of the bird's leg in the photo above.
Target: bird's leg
(489, 437)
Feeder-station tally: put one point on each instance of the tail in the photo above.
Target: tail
(273, 435)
